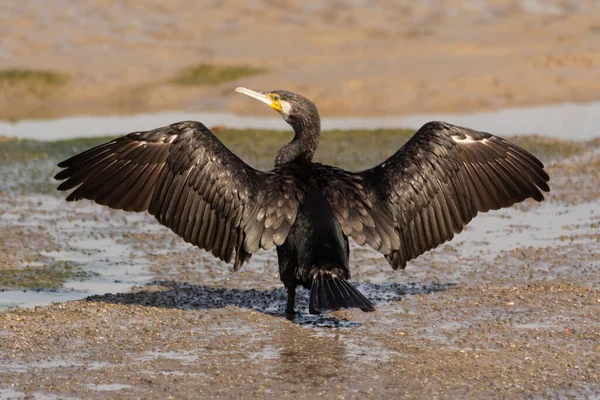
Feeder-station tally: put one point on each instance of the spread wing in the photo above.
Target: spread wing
(431, 188)
(184, 176)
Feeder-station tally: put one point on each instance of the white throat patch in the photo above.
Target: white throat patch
(286, 107)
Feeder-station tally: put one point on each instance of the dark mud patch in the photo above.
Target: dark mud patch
(186, 296)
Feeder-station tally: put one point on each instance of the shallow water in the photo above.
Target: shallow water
(115, 263)
(567, 121)
(121, 262)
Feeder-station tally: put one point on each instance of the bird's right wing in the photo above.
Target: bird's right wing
(431, 188)
(184, 176)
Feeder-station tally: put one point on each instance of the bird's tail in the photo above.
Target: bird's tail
(332, 293)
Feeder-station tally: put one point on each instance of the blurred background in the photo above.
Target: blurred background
(352, 57)
(508, 309)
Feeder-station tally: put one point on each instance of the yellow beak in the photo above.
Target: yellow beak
(264, 97)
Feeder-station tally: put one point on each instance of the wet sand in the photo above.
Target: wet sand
(509, 309)
(352, 58)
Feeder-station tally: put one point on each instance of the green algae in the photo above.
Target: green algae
(210, 75)
(46, 277)
(27, 166)
(32, 79)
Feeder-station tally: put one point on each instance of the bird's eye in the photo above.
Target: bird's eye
(276, 97)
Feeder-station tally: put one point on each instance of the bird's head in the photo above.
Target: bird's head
(293, 108)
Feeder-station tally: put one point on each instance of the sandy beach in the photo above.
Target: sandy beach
(357, 58)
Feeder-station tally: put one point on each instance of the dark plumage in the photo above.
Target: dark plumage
(412, 202)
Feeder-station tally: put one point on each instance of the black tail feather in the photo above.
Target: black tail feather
(329, 294)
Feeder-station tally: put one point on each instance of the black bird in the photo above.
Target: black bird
(412, 202)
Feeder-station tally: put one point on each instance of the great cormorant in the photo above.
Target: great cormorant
(412, 202)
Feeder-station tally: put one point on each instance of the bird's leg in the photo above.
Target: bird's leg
(291, 300)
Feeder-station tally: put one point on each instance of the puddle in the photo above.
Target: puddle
(104, 242)
(13, 394)
(54, 364)
(505, 230)
(186, 357)
(85, 240)
(112, 387)
(568, 121)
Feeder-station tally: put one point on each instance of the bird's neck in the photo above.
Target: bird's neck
(304, 145)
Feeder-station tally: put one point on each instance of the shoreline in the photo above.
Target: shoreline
(573, 121)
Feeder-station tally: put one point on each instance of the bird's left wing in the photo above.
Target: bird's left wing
(184, 176)
(431, 188)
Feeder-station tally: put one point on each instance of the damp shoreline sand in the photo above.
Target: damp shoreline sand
(508, 309)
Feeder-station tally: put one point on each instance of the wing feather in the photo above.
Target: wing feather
(431, 188)
(184, 176)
